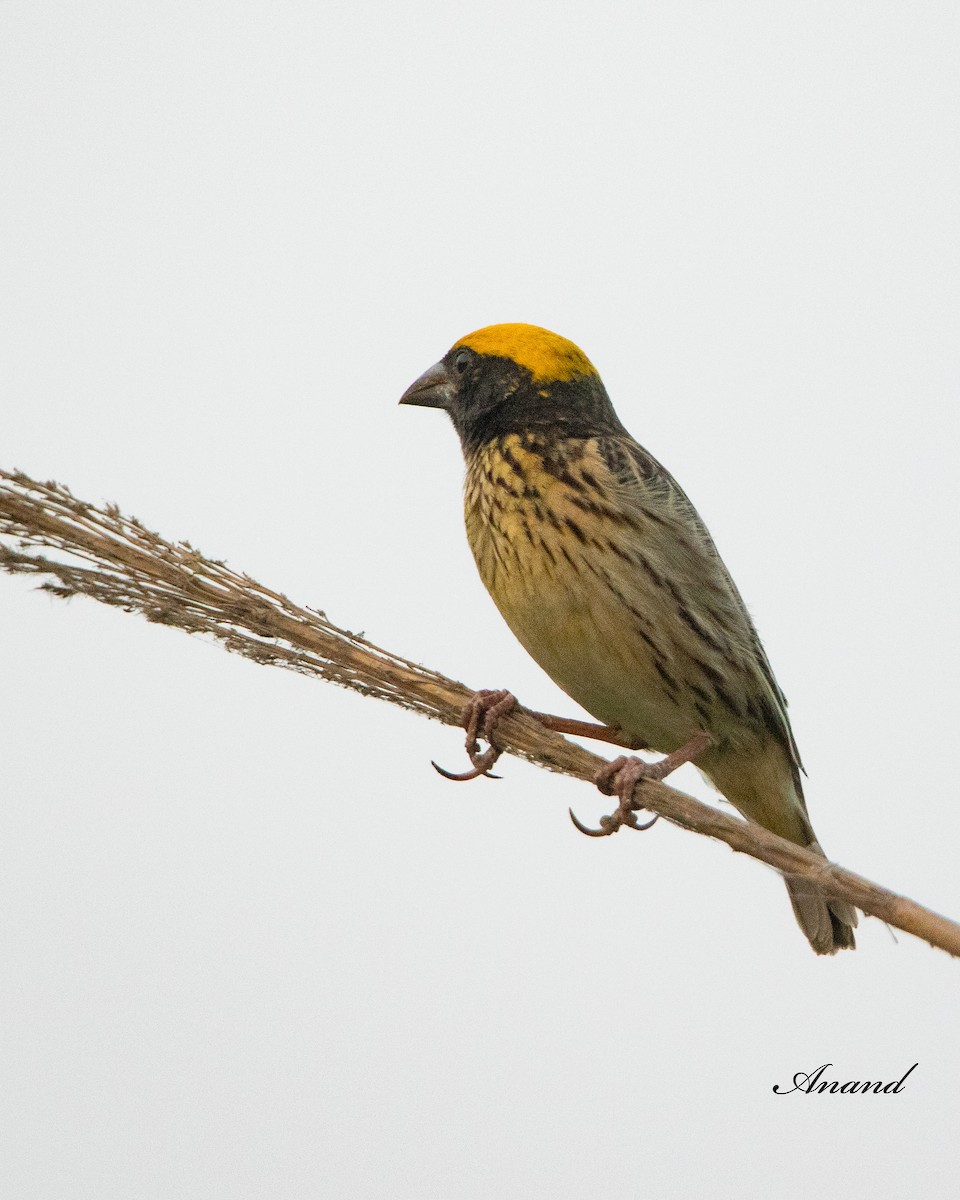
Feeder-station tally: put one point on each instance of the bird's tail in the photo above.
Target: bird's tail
(827, 923)
(765, 789)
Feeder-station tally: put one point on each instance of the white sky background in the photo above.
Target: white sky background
(251, 944)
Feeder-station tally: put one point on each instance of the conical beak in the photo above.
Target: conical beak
(434, 389)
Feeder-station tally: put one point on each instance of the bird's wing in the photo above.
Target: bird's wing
(665, 517)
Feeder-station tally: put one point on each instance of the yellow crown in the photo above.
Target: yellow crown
(548, 357)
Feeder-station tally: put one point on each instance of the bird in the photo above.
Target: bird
(605, 572)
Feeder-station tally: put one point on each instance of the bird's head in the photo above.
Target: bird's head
(513, 378)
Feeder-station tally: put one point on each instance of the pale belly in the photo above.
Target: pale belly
(588, 645)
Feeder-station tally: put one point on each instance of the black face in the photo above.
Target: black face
(484, 389)
(492, 396)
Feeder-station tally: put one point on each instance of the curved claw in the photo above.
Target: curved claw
(611, 824)
(465, 776)
(485, 707)
(640, 827)
(586, 829)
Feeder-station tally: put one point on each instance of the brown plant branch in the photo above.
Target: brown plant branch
(117, 560)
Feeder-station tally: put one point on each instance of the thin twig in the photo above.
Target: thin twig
(115, 559)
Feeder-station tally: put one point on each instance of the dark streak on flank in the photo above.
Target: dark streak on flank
(671, 684)
(725, 698)
(548, 552)
(576, 530)
(654, 574)
(619, 551)
(563, 551)
(599, 510)
(717, 678)
(690, 620)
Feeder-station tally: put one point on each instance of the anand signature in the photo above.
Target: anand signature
(812, 1082)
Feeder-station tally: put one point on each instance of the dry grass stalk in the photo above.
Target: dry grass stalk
(117, 560)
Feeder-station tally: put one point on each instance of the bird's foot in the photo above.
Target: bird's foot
(485, 708)
(479, 717)
(621, 776)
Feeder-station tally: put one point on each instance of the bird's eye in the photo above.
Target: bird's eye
(462, 362)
